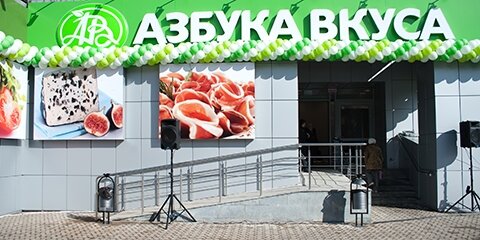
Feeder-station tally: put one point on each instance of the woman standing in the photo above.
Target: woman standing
(373, 163)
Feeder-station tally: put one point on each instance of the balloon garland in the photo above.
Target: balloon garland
(237, 51)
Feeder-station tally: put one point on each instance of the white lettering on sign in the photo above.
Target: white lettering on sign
(256, 25)
(383, 24)
(316, 24)
(284, 16)
(322, 25)
(400, 19)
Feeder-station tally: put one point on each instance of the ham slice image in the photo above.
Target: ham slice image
(164, 112)
(249, 88)
(173, 79)
(247, 109)
(233, 122)
(165, 100)
(226, 96)
(189, 94)
(198, 118)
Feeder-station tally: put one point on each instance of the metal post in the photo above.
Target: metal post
(181, 183)
(155, 183)
(224, 172)
(142, 200)
(335, 157)
(356, 160)
(309, 169)
(341, 159)
(261, 175)
(258, 173)
(123, 193)
(189, 184)
(117, 184)
(220, 181)
(349, 162)
(361, 157)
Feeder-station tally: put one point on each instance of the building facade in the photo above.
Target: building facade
(311, 61)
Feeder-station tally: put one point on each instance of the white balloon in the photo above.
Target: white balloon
(314, 44)
(433, 56)
(371, 60)
(92, 62)
(424, 60)
(252, 52)
(286, 45)
(319, 59)
(387, 51)
(279, 51)
(441, 50)
(42, 65)
(62, 64)
(138, 64)
(48, 54)
(168, 58)
(148, 55)
(55, 49)
(2, 36)
(299, 55)
(233, 47)
(208, 48)
(360, 50)
(414, 51)
(44, 60)
(220, 58)
(379, 56)
(306, 50)
(123, 56)
(182, 48)
(97, 57)
(352, 56)
(458, 55)
(72, 56)
(476, 60)
(226, 53)
(292, 58)
(325, 55)
(333, 50)
(260, 46)
(466, 49)
(200, 54)
(345, 59)
(155, 49)
(117, 62)
(174, 54)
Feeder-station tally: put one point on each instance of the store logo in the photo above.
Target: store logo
(94, 25)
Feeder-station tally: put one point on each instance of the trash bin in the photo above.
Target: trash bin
(106, 196)
(359, 194)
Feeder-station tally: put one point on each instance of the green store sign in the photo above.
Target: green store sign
(105, 24)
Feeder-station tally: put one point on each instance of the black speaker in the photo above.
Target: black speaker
(470, 134)
(170, 134)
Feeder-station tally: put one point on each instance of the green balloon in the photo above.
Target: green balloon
(84, 57)
(92, 51)
(142, 50)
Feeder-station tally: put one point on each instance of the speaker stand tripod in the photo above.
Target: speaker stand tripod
(470, 190)
(170, 212)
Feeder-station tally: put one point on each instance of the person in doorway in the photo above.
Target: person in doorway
(303, 137)
(373, 163)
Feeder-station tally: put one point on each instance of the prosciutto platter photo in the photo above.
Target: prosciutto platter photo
(214, 101)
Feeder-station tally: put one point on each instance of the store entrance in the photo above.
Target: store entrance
(337, 110)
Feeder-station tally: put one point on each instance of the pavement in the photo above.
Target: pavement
(387, 223)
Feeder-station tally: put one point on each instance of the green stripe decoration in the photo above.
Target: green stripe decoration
(461, 50)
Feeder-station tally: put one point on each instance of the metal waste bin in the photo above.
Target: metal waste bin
(106, 196)
(359, 191)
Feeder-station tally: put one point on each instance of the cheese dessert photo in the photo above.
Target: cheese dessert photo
(78, 103)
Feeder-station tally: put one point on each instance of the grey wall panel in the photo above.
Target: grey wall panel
(104, 157)
(79, 193)
(134, 82)
(263, 119)
(133, 120)
(30, 157)
(55, 158)
(79, 158)
(54, 193)
(284, 81)
(129, 155)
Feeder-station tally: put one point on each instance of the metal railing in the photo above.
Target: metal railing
(259, 169)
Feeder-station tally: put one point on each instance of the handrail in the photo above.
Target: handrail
(417, 168)
(208, 160)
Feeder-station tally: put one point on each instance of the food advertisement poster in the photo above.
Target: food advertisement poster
(79, 103)
(13, 100)
(211, 101)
